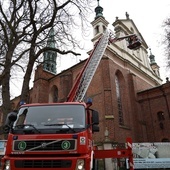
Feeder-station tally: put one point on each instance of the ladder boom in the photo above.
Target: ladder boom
(81, 85)
(83, 80)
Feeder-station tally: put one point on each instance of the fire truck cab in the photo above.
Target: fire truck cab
(59, 135)
(51, 136)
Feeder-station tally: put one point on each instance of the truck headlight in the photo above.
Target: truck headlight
(7, 165)
(80, 164)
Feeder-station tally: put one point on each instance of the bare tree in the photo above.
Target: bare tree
(24, 27)
(167, 41)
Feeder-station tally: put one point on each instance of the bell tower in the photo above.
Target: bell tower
(153, 64)
(50, 56)
(99, 24)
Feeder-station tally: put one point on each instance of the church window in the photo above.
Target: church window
(55, 95)
(51, 57)
(160, 116)
(119, 102)
(48, 66)
(104, 28)
(97, 29)
(47, 57)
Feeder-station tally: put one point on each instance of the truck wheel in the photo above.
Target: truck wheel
(95, 164)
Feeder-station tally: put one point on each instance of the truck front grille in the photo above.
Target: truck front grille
(44, 145)
(43, 163)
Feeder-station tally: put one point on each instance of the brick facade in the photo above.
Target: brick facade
(155, 106)
(139, 108)
(125, 90)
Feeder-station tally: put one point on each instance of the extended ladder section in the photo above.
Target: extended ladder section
(82, 83)
(83, 80)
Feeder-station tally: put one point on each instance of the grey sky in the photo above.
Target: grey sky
(148, 15)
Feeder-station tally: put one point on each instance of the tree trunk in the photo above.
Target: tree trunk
(6, 106)
(27, 77)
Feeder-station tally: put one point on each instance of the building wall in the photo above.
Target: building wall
(138, 107)
(140, 100)
(154, 101)
(141, 94)
(40, 90)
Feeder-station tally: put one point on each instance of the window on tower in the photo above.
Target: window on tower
(97, 29)
(104, 28)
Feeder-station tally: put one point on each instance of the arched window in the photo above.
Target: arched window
(119, 102)
(53, 97)
(160, 116)
(104, 28)
(97, 29)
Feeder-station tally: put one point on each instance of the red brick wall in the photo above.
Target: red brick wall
(140, 121)
(153, 101)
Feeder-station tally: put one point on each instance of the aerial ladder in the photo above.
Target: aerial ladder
(84, 78)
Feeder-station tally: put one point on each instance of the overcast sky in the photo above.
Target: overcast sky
(148, 16)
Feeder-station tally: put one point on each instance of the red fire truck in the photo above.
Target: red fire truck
(58, 136)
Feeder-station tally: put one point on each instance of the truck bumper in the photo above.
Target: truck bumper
(45, 163)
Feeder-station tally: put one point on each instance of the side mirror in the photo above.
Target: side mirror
(11, 118)
(95, 117)
(95, 128)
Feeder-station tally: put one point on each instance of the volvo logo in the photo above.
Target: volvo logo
(43, 145)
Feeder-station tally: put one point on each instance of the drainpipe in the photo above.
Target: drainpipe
(163, 92)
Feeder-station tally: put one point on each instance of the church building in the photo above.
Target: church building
(126, 89)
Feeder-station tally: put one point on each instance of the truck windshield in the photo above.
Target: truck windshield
(52, 116)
